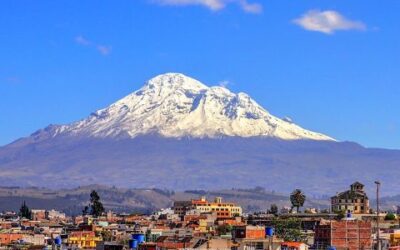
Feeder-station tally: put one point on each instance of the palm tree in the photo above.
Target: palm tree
(297, 198)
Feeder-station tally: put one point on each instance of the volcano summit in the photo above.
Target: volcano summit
(174, 105)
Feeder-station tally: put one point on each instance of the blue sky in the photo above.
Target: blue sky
(332, 66)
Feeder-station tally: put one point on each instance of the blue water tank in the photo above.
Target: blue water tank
(139, 237)
(57, 241)
(269, 231)
(133, 244)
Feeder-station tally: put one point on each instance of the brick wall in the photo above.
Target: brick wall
(351, 235)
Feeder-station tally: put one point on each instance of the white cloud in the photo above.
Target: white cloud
(82, 41)
(215, 5)
(251, 7)
(327, 22)
(102, 49)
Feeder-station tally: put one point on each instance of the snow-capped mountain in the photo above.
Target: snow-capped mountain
(121, 145)
(174, 105)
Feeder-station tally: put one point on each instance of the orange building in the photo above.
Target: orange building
(346, 234)
(293, 246)
(8, 238)
(248, 232)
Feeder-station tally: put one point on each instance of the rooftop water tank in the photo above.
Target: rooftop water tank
(57, 241)
(133, 244)
(269, 231)
(139, 237)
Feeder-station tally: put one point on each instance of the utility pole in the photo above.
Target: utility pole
(378, 240)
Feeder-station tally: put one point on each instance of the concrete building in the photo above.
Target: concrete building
(38, 214)
(354, 200)
(55, 215)
(344, 235)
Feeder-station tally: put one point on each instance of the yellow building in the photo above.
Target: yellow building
(203, 226)
(221, 209)
(395, 238)
(83, 239)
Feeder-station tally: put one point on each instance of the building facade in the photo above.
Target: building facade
(221, 209)
(353, 201)
(344, 235)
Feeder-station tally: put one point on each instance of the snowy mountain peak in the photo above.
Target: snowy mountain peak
(174, 105)
(173, 81)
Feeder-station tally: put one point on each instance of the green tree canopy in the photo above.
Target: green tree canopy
(25, 212)
(297, 198)
(95, 207)
(390, 216)
(273, 209)
(340, 214)
(288, 229)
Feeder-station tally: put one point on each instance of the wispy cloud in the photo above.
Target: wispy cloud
(102, 49)
(224, 83)
(327, 22)
(12, 80)
(215, 5)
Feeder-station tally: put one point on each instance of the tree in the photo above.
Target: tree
(25, 212)
(273, 209)
(390, 216)
(340, 214)
(288, 229)
(95, 207)
(297, 198)
(106, 235)
(224, 229)
(85, 210)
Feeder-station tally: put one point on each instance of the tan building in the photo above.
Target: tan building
(221, 209)
(354, 200)
(38, 214)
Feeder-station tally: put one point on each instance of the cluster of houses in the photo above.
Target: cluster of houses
(204, 224)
